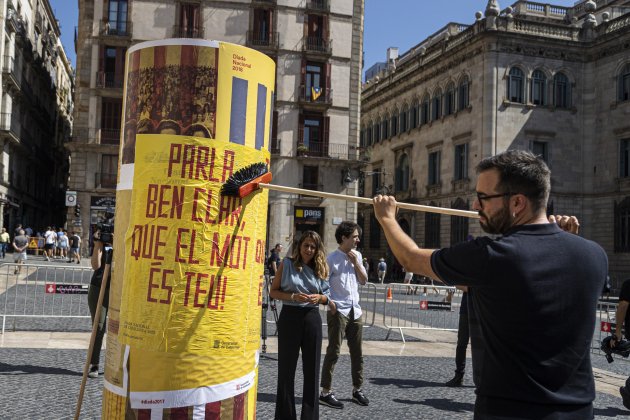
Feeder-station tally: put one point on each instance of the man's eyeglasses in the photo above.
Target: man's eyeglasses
(482, 197)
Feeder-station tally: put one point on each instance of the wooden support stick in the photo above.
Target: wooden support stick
(407, 206)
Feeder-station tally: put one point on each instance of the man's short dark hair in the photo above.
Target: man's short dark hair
(346, 229)
(521, 172)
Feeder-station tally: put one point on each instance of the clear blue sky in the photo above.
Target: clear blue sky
(388, 23)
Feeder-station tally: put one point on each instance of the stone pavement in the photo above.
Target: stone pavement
(40, 376)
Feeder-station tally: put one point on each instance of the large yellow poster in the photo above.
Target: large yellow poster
(187, 277)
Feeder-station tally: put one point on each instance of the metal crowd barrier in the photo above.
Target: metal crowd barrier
(44, 293)
(420, 307)
(605, 325)
(368, 294)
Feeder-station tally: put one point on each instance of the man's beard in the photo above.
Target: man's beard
(499, 224)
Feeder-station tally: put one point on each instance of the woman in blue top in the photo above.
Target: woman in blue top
(301, 283)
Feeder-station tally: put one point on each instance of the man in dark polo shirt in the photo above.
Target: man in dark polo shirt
(535, 292)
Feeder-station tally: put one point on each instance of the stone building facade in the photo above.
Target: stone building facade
(35, 116)
(550, 79)
(317, 46)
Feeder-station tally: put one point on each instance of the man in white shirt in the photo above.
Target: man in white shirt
(50, 237)
(346, 272)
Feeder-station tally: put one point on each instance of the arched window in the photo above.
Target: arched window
(385, 129)
(404, 122)
(459, 224)
(424, 114)
(538, 92)
(377, 132)
(394, 125)
(515, 86)
(561, 91)
(624, 84)
(369, 139)
(362, 142)
(413, 115)
(436, 105)
(402, 173)
(449, 100)
(463, 95)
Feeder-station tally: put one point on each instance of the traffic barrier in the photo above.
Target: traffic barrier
(605, 325)
(367, 300)
(44, 292)
(412, 308)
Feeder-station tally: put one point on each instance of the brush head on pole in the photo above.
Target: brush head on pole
(245, 181)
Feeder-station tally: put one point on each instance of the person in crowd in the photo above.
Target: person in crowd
(539, 272)
(463, 336)
(274, 259)
(98, 265)
(50, 239)
(346, 273)
(62, 244)
(407, 280)
(382, 270)
(75, 247)
(17, 230)
(622, 317)
(5, 240)
(301, 283)
(20, 243)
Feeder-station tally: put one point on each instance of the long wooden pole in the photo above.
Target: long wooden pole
(97, 317)
(407, 206)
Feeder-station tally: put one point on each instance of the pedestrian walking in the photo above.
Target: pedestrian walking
(301, 282)
(5, 240)
(539, 272)
(75, 246)
(20, 243)
(463, 336)
(382, 270)
(346, 273)
(50, 240)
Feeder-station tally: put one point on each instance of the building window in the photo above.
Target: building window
(515, 85)
(375, 233)
(111, 111)
(376, 182)
(403, 120)
(377, 132)
(434, 168)
(312, 134)
(464, 98)
(624, 158)
(436, 106)
(263, 23)
(432, 229)
(314, 81)
(459, 224)
(117, 17)
(424, 114)
(541, 148)
(385, 129)
(561, 91)
(461, 162)
(109, 168)
(539, 88)
(189, 21)
(622, 226)
(394, 126)
(369, 136)
(449, 100)
(413, 115)
(624, 84)
(402, 173)
(310, 177)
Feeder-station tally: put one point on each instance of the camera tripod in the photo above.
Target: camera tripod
(267, 302)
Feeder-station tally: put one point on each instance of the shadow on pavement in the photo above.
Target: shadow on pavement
(442, 404)
(7, 369)
(405, 383)
(611, 412)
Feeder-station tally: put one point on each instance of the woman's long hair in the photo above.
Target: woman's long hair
(318, 264)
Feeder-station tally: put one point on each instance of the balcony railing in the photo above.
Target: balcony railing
(104, 180)
(318, 5)
(260, 39)
(96, 136)
(187, 32)
(115, 28)
(328, 150)
(317, 44)
(311, 96)
(109, 79)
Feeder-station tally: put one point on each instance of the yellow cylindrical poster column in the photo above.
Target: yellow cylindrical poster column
(185, 302)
